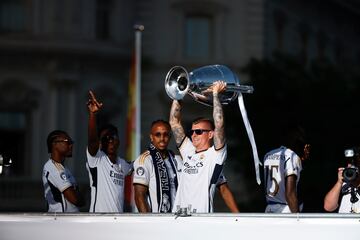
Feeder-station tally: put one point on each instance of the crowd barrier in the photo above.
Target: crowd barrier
(217, 226)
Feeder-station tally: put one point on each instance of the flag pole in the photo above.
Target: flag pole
(138, 34)
(133, 134)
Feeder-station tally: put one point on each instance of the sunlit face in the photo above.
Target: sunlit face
(63, 144)
(160, 136)
(109, 142)
(202, 139)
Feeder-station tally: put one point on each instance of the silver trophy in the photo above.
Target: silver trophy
(179, 82)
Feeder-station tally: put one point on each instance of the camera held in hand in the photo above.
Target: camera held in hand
(351, 172)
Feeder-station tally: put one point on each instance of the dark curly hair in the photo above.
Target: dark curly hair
(51, 137)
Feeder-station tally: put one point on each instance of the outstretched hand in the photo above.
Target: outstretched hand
(216, 87)
(93, 105)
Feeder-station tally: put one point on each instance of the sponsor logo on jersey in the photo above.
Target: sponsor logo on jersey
(117, 178)
(140, 171)
(199, 164)
(189, 169)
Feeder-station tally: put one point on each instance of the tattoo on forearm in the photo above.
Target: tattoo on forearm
(175, 122)
(218, 115)
(178, 134)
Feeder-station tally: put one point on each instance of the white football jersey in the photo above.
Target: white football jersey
(278, 164)
(107, 181)
(199, 174)
(144, 174)
(346, 206)
(56, 179)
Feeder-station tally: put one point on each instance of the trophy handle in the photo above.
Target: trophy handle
(240, 88)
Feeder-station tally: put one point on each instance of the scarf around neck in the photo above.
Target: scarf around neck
(163, 187)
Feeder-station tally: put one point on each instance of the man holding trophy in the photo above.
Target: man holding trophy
(203, 155)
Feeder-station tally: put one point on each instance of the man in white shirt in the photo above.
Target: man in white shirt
(203, 156)
(147, 175)
(156, 172)
(61, 191)
(346, 192)
(282, 167)
(106, 169)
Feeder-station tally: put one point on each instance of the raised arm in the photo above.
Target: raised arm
(218, 114)
(331, 200)
(175, 122)
(93, 140)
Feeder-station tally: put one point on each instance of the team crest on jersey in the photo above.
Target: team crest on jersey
(117, 167)
(202, 156)
(165, 206)
(63, 176)
(140, 171)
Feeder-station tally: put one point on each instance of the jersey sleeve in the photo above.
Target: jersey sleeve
(126, 166)
(291, 166)
(60, 178)
(94, 160)
(142, 169)
(186, 148)
(221, 180)
(178, 162)
(129, 167)
(220, 155)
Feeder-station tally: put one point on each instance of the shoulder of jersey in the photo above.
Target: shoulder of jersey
(143, 156)
(58, 166)
(122, 161)
(178, 156)
(274, 151)
(184, 141)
